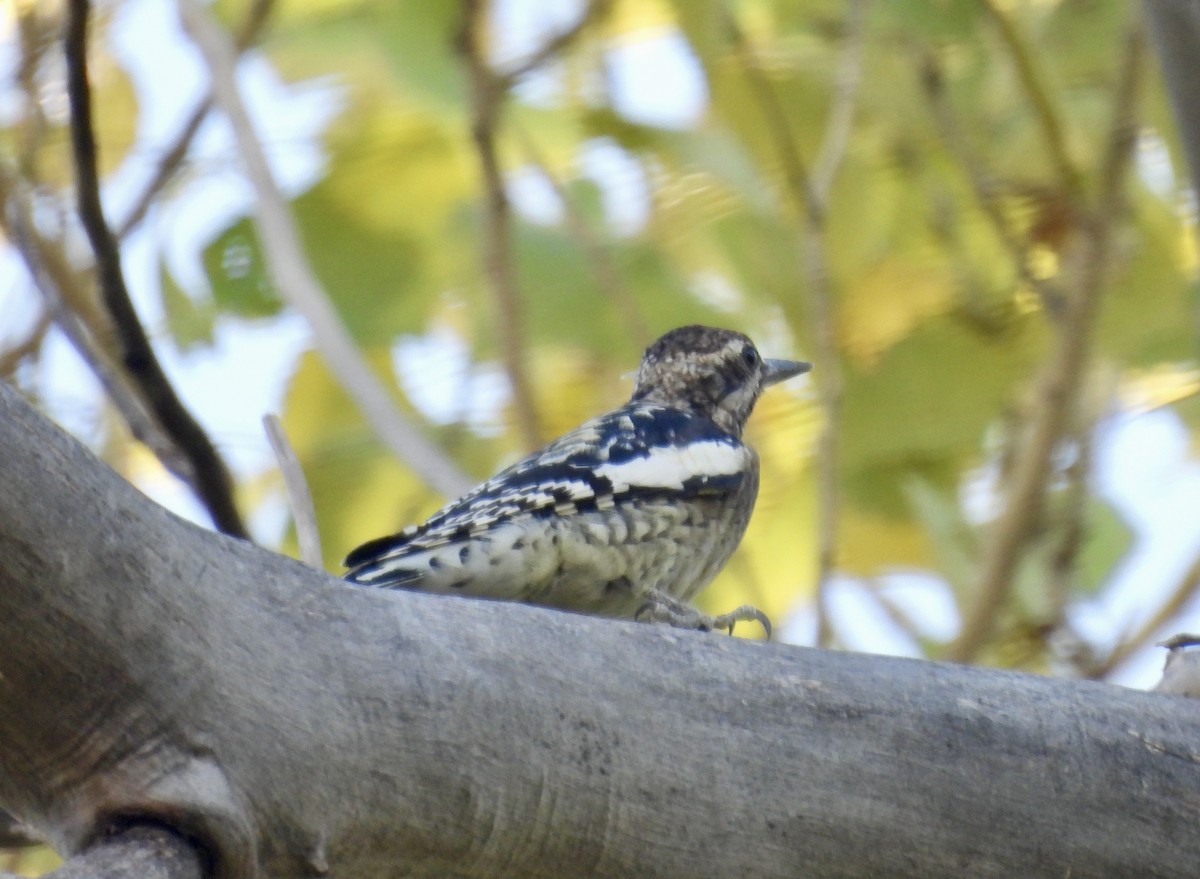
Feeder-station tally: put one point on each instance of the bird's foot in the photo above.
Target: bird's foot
(664, 609)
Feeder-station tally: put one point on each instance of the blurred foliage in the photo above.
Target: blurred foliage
(938, 336)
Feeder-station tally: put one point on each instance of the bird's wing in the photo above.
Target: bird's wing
(637, 451)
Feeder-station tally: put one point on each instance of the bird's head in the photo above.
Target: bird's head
(712, 372)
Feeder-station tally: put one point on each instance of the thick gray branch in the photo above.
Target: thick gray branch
(1175, 32)
(294, 724)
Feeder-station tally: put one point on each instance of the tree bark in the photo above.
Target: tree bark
(1175, 32)
(292, 724)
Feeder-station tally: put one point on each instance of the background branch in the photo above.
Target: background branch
(487, 99)
(297, 284)
(304, 515)
(1183, 593)
(116, 384)
(1058, 385)
(845, 92)
(210, 478)
(11, 357)
(553, 47)
(981, 182)
(174, 155)
(1037, 90)
(597, 256)
(1175, 28)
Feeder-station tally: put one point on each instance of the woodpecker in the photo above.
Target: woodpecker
(629, 515)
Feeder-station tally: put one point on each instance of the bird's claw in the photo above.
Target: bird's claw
(744, 614)
(661, 609)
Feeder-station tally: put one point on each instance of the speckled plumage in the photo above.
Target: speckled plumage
(633, 511)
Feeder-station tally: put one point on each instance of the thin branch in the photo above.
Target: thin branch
(211, 480)
(845, 92)
(36, 35)
(173, 157)
(957, 143)
(304, 514)
(811, 208)
(1188, 586)
(553, 47)
(487, 100)
(1058, 386)
(1064, 562)
(15, 835)
(597, 255)
(297, 284)
(140, 422)
(11, 358)
(1038, 93)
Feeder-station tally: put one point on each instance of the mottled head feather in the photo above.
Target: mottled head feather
(713, 372)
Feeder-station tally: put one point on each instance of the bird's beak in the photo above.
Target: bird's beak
(781, 370)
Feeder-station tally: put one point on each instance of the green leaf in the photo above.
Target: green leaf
(237, 273)
(189, 322)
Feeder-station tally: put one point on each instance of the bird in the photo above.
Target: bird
(629, 515)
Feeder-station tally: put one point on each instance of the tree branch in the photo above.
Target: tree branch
(1175, 29)
(211, 481)
(487, 99)
(292, 724)
(555, 46)
(841, 112)
(1039, 96)
(1186, 589)
(174, 155)
(11, 357)
(958, 145)
(298, 285)
(115, 383)
(594, 250)
(1058, 384)
(304, 514)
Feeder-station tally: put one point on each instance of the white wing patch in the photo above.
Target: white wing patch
(672, 466)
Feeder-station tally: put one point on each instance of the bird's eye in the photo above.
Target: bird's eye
(750, 355)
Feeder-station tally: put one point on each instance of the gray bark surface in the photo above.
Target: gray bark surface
(295, 725)
(1175, 33)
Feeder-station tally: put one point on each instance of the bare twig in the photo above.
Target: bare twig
(175, 154)
(828, 376)
(140, 422)
(900, 617)
(12, 357)
(959, 147)
(1059, 382)
(1039, 95)
(597, 256)
(15, 835)
(1184, 591)
(1064, 562)
(211, 480)
(845, 91)
(304, 514)
(487, 100)
(36, 34)
(295, 281)
(595, 10)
